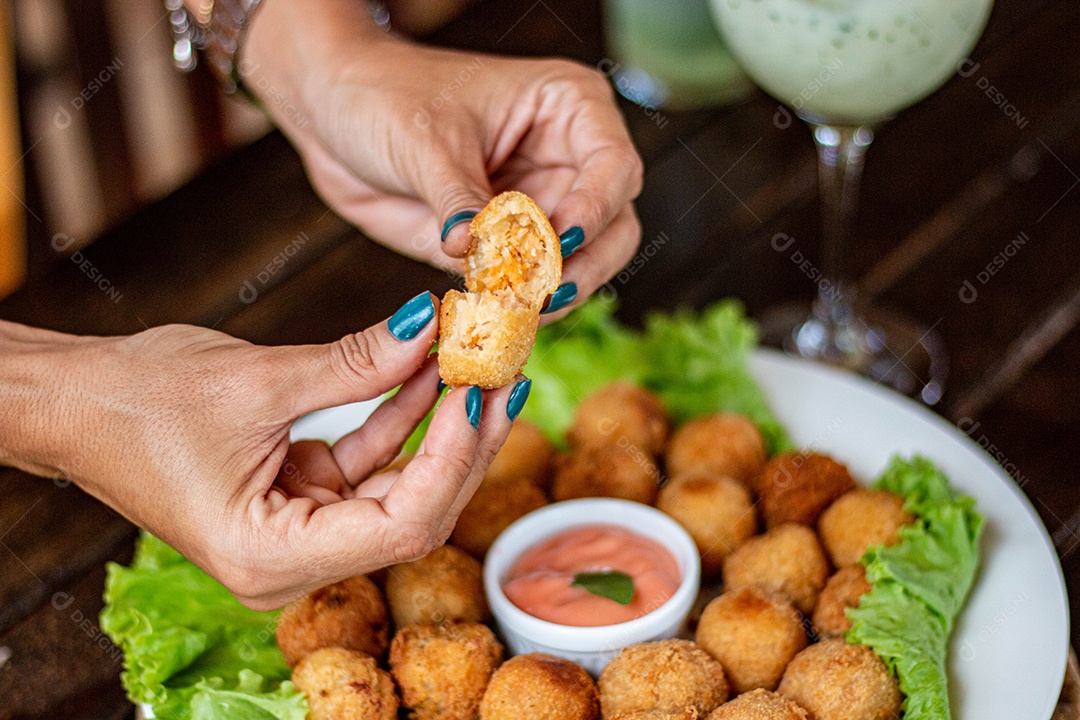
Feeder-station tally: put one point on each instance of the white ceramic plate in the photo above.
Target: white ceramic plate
(1008, 653)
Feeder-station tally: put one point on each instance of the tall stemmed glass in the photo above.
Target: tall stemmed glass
(845, 67)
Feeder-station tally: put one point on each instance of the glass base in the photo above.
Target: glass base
(882, 345)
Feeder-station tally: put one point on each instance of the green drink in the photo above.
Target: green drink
(668, 53)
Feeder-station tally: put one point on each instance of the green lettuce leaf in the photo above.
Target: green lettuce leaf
(696, 362)
(188, 642)
(919, 585)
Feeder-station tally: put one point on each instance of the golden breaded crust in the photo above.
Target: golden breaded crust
(843, 590)
(485, 338)
(858, 519)
(798, 486)
(621, 414)
(442, 670)
(513, 264)
(537, 686)
(834, 680)
(754, 633)
(526, 455)
(719, 444)
(497, 503)
(787, 558)
(759, 705)
(716, 510)
(662, 676)
(343, 684)
(350, 614)
(606, 471)
(446, 584)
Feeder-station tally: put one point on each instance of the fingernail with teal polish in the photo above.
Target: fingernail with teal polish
(517, 398)
(442, 385)
(458, 217)
(571, 240)
(563, 296)
(412, 317)
(474, 404)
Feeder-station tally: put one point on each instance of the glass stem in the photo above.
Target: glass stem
(840, 149)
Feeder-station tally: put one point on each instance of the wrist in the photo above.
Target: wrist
(34, 366)
(296, 51)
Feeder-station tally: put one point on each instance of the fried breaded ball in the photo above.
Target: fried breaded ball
(442, 670)
(754, 633)
(446, 584)
(843, 590)
(837, 681)
(720, 444)
(526, 455)
(495, 505)
(538, 686)
(621, 414)
(606, 471)
(662, 676)
(798, 486)
(788, 559)
(343, 684)
(687, 713)
(858, 519)
(759, 705)
(717, 511)
(349, 614)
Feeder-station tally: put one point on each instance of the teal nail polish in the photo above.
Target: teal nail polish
(412, 317)
(517, 398)
(458, 217)
(474, 404)
(442, 385)
(563, 296)
(571, 240)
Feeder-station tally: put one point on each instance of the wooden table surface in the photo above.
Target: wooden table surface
(949, 184)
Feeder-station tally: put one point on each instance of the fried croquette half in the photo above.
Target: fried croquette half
(663, 676)
(787, 559)
(798, 486)
(537, 686)
(621, 414)
(720, 444)
(605, 471)
(513, 264)
(495, 505)
(842, 591)
(349, 614)
(343, 684)
(716, 510)
(834, 680)
(526, 455)
(858, 519)
(759, 705)
(753, 633)
(446, 584)
(442, 670)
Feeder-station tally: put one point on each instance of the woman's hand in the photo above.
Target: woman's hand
(185, 431)
(403, 139)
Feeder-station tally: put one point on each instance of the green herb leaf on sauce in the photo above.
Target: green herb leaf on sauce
(613, 585)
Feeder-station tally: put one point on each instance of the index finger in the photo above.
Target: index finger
(609, 170)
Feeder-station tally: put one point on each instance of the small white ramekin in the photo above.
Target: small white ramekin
(590, 647)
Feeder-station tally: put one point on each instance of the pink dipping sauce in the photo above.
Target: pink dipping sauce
(539, 582)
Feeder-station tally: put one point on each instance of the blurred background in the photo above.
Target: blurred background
(96, 120)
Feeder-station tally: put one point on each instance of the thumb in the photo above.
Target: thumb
(363, 365)
(456, 190)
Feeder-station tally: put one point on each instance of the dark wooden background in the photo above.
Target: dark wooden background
(949, 183)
